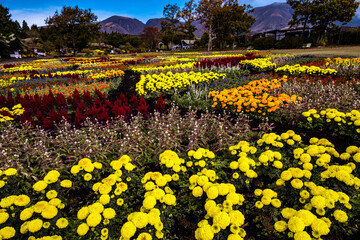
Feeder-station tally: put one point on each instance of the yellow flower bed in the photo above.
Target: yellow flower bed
(343, 61)
(298, 70)
(315, 203)
(106, 74)
(335, 119)
(254, 97)
(295, 168)
(58, 73)
(17, 110)
(165, 82)
(166, 67)
(259, 64)
(8, 82)
(20, 68)
(39, 64)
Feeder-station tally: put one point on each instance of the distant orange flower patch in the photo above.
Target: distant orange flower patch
(262, 96)
(81, 87)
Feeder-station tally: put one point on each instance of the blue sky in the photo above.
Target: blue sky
(36, 11)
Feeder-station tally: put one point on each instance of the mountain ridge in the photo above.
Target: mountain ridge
(274, 16)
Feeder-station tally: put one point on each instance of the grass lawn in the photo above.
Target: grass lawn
(353, 51)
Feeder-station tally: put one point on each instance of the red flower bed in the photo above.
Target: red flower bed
(224, 62)
(51, 109)
(318, 63)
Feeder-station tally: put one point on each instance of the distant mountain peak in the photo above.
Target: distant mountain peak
(270, 17)
(277, 3)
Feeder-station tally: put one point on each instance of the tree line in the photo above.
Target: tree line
(226, 22)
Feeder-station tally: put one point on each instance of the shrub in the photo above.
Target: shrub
(263, 43)
(289, 42)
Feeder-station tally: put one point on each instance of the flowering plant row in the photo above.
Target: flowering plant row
(255, 96)
(146, 69)
(8, 115)
(316, 95)
(333, 120)
(66, 88)
(62, 82)
(109, 74)
(224, 192)
(343, 61)
(142, 138)
(162, 83)
(258, 64)
(51, 109)
(345, 66)
(298, 70)
(224, 61)
(39, 65)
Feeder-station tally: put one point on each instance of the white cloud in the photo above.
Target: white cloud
(33, 16)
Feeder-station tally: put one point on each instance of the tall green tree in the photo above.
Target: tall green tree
(169, 26)
(74, 27)
(204, 40)
(24, 29)
(322, 14)
(9, 31)
(189, 15)
(230, 21)
(302, 12)
(34, 32)
(224, 19)
(117, 39)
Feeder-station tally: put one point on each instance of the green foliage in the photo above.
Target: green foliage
(289, 43)
(196, 98)
(204, 40)
(116, 39)
(323, 14)
(263, 43)
(24, 29)
(231, 20)
(169, 25)
(9, 31)
(303, 59)
(206, 15)
(349, 37)
(189, 16)
(73, 27)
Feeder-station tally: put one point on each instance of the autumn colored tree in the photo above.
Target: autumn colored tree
(322, 14)
(74, 27)
(150, 36)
